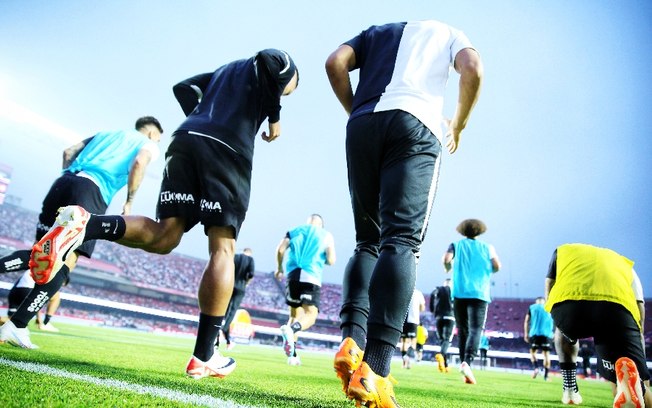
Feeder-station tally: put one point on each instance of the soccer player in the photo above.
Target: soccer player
(207, 179)
(595, 292)
(306, 249)
(245, 270)
(393, 149)
(441, 306)
(412, 322)
(472, 262)
(94, 170)
(538, 331)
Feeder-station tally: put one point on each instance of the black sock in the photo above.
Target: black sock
(545, 372)
(16, 261)
(569, 376)
(378, 355)
(106, 227)
(296, 327)
(207, 336)
(47, 318)
(38, 297)
(357, 333)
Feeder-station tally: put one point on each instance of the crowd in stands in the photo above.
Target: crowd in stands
(264, 293)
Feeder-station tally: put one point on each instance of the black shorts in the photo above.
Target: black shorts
(70, 189)
(614, 332)
(204, 181)
(541, 343)
(299, 293)
(15, 298)
(409, 330)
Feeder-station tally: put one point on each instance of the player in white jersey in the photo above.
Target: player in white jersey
(393, 148)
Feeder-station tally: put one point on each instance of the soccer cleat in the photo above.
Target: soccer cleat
(288, 340)
(535, 373)
(571, 397)
(347, 360)
(368, 389)
(11, 334)
(48, 328)
(217, 366)
(294, 361)
(66, 235)
(628, 385)
(441, 364)
(469, 378)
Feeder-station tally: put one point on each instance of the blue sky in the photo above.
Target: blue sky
(558, 149)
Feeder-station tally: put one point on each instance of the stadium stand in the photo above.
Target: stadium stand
(168, 283)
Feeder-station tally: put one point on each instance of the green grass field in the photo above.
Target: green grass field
(86, 367)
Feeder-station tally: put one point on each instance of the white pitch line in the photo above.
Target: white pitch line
(172, 395)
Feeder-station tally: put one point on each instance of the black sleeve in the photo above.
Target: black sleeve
(451, 249)
(187, 96)
(433, 295)
(275, 70)
(552, 268)
(251, 269)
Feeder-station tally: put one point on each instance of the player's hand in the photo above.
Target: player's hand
(453, 134)
(278, 275)
(526, 338)
(274, 132)
(126, 208)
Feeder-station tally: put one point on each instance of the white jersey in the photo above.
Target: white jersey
(417, 304)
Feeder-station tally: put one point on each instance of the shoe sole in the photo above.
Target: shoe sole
(629, 394)
(45, 255)
(204, 372)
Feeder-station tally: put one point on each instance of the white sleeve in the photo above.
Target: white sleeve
(637, 287)
(153, 149)
(492, 252)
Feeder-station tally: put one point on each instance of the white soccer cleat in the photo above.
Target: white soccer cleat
(288, 340)
(66, 235)
(11, 334)
(629, 393)
(571, 397)
(217, 366)
(48, 328)
(469, 378)
(294, 361)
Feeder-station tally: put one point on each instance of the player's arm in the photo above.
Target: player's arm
(433, 296)
(136, 175)
(495, 261)
(447, 259)
(189, 92)
(469, 65)
(280, 253)
(330, 250)
(70, 153)
(275, 75)
(338, 66)
(551, 276)
(526, 327)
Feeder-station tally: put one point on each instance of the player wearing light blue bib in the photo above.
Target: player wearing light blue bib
(305, 249)
(472, 262)
(539, 329)
(108, 157)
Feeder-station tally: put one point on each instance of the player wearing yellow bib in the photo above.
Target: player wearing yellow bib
(595, 292)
